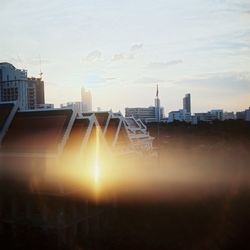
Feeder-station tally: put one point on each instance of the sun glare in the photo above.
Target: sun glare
(97, 152)
(97, 173)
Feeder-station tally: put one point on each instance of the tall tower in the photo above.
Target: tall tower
(157, 106)
(187, 103)
(86, 100)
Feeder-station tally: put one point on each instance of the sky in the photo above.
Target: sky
(121, 49)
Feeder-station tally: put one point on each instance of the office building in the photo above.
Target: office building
(86, 99)
(241, 115)
(204, 117)
(247, 114)
(16, 86)
(180, 115)
(145, 114)
(35, 92)
(218, 113)
(187, 103)
(13, 85)
(228, 116)
(76, 106)
(150, 114)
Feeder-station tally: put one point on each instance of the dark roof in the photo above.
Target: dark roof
(36, 131)
(111, 130)
(5, 110)
(101, 117)
(77, 135)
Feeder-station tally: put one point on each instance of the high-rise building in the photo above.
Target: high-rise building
(157, 106)
(187, 103)
(16, 86)
(35, 92)
(13, 85)
(86, 100)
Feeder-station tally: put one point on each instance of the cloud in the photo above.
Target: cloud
(162, 65)
(109, 78)
(130, 55)
(136, 47)
(93, 56)
(118, 57)
(223, 82)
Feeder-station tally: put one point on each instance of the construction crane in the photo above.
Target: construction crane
(40, 63)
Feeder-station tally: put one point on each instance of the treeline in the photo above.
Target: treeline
(229, 130)
(219, 144)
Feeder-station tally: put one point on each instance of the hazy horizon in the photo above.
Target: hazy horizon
(121, 50)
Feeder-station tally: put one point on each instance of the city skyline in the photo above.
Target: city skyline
(122, 50)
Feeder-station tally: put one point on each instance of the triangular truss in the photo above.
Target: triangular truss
(51, 133)
(7, 113)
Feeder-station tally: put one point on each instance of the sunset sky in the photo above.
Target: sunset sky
(121, 49)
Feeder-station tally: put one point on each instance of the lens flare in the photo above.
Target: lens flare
(97, 159)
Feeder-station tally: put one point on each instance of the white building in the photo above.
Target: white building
(16, 86)
(86, 98)
(13, 85)
(150, 114)
(76, 106)
(180, 115)
(218, 113)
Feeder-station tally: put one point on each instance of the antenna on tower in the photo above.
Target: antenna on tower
(40, 64)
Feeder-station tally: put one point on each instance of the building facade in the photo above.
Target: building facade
(45, 106)
(150, 114)
(13, 85)
(86, 98)
(145, 114)
(247, 114)
(241, 115)
(35, 92)
(218, 113)
(180, 115)
(228, 116)
(76, 106)
(204, 117)
(187, 103)
(16, 86)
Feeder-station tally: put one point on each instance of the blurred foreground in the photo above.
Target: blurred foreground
(193, 194)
